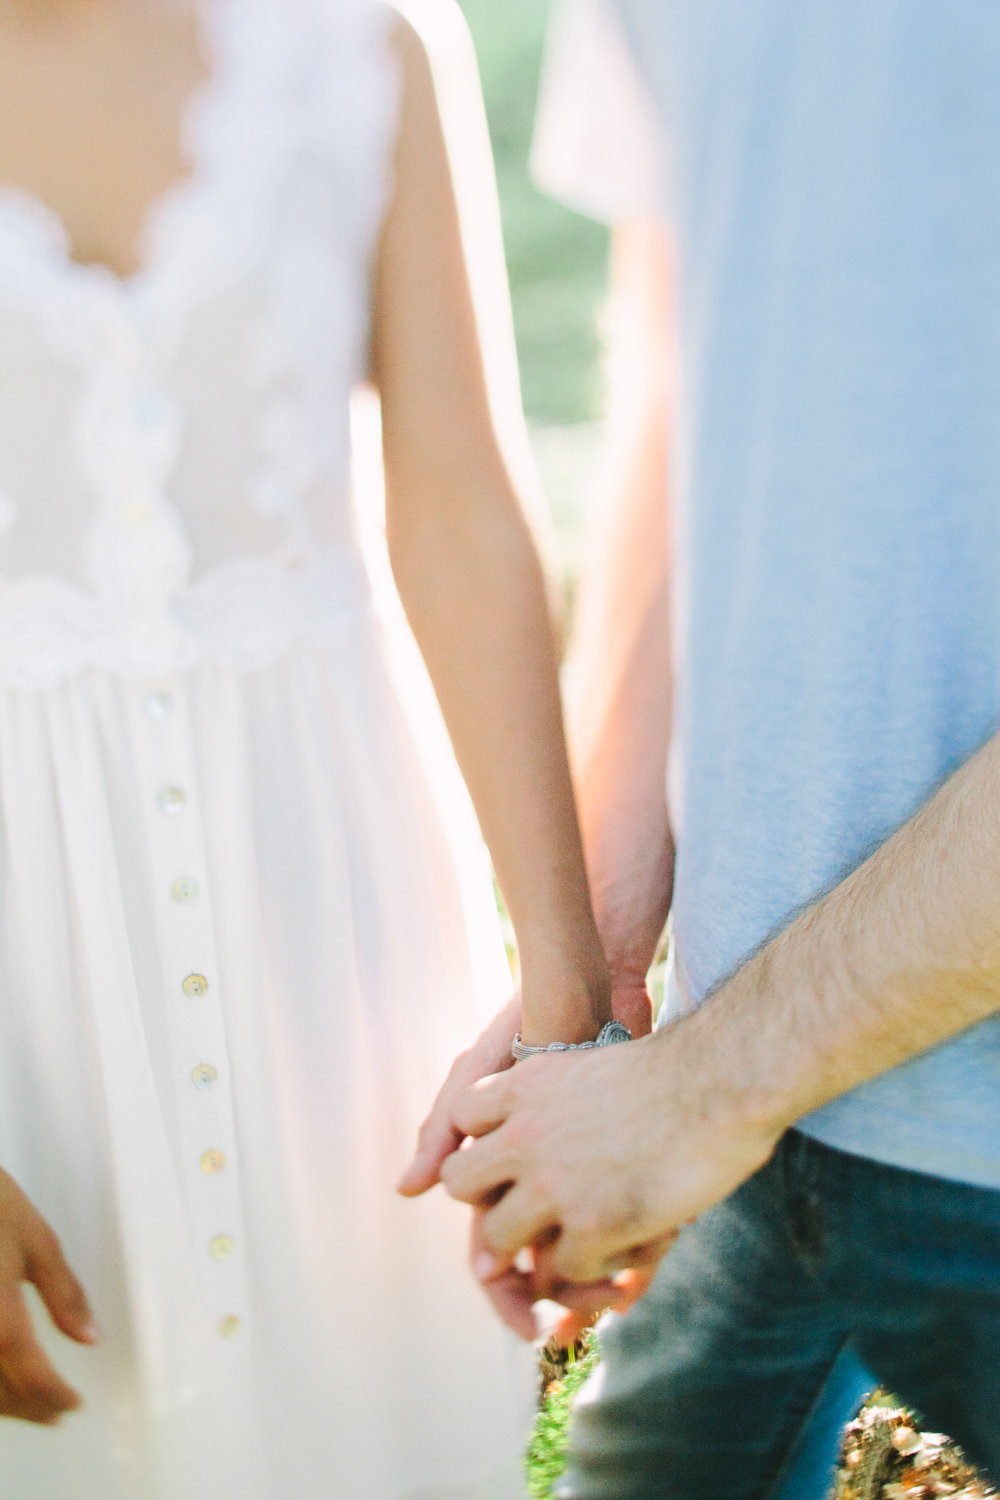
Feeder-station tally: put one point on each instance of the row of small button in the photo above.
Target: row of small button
(172, 800)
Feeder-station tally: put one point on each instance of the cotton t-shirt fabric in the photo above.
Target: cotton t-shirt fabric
(832, 172)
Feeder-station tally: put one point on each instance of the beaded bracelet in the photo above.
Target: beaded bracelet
(613, 1032)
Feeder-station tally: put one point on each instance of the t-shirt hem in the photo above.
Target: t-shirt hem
(895, 1143)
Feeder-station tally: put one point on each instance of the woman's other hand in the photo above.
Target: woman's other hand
(29, 1251)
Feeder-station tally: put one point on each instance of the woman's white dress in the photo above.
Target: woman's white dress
(234, 960)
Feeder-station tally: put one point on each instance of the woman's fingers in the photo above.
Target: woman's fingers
(509, 1288)
(480, 1110)
(46, 1268)
(435, 1143)
(30, 1388)
(439, 1136)
(513, 1297)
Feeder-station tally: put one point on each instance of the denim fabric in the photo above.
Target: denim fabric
(730, 1380)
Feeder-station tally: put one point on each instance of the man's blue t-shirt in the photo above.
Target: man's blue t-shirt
(834, 179)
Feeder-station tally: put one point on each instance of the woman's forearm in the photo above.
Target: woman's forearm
(468, 573)
(473, 590)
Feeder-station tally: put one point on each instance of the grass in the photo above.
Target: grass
(546, 1456)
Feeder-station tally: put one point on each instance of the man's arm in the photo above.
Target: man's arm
(610, 1151)
(619, 699)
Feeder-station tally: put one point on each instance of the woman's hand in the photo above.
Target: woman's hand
(29, 1251)
(438, 1137)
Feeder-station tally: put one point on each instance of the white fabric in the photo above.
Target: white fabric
(598, 142)
(184, 609)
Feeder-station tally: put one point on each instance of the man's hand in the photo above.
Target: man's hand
(491, 1054)
(438, 1136)
(29, 1251)
(595, 1159)
(514, 1292)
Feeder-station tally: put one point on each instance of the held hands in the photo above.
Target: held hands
(512, 1290)
(552, 1009)
(29, 1386)
(594, 1160)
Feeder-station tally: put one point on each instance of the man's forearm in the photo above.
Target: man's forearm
(621, 706)
(616, 1150)
(622, 798)
(902, 955)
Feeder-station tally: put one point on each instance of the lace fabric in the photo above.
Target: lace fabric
(289, 146)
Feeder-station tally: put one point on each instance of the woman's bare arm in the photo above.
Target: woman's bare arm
(470, 579)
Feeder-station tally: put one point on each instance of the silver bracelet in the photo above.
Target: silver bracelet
(613, 1032)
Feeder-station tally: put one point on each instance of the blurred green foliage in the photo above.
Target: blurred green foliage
(557, 260)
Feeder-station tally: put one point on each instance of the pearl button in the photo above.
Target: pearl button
(194, 986)
(230, 1327)
(172, 800)
(158, 706)
(222, 1247)
(204, 1076)
(136, 514)
(184, 890)
(213, 1161)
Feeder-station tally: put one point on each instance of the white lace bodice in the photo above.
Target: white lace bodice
(174, 450)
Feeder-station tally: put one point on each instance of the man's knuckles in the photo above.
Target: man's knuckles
(521, 1134)
(485, 1105)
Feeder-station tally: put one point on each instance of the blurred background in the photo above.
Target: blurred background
(558, 267)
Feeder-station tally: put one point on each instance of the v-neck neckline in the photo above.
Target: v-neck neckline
(150, 247)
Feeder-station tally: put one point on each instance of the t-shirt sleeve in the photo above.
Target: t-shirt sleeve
(598, 143)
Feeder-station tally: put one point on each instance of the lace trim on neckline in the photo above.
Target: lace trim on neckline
(293, 79)
(244, 615)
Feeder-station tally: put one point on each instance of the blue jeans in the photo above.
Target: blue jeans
(733, 1376)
